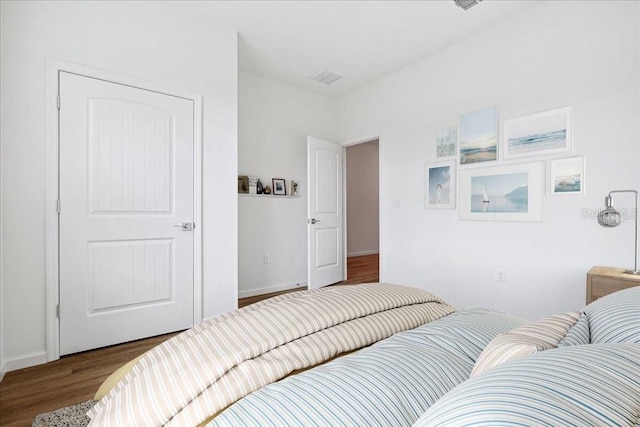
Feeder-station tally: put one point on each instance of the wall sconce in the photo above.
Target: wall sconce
(609, 217)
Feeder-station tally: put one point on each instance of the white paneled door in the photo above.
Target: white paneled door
(324, 222)
(126, 213)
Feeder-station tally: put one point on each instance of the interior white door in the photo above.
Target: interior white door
(126, 189)
(325, 215)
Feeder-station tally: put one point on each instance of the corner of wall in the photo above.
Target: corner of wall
(2, 364)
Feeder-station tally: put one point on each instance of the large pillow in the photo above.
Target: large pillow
(531, 338)
(585, 385)
(615, 318)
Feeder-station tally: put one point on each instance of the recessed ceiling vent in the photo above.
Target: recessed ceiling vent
(466, 4)
(326, 77)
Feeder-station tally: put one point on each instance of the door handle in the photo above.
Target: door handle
(186, 226)
(313, 221)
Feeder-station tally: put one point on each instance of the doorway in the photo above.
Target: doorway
(363, 211)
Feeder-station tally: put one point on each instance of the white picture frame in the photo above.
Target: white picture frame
(479, 141)
(567, 176)
(512, 192)
(447, 142)
(440, 185)
(538, 134)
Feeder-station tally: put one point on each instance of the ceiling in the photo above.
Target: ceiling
(363, 41)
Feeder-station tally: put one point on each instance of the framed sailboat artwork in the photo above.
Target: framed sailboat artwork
(503, 193)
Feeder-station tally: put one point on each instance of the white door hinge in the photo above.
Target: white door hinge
(58, 102)
(58, 206)
(58, 311)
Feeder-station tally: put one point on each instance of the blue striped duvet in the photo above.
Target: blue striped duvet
(584, 385)
(391, 383)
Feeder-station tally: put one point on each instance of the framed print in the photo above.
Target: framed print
(294, 188)
(503, 193)
(279, 186)
(440, 185)
(479, 136)
(567, 175)
(538, 134)
(446, 142)
(243, 184)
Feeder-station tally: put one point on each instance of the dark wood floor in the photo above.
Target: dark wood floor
(73, 379)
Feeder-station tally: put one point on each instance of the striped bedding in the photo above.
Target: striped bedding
(592, 378)
(583, 385)
(531, 338)
(193, 376)
(388, 384)
(615, 318)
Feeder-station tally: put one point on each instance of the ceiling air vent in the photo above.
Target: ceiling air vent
(466, 4)
(326, 77)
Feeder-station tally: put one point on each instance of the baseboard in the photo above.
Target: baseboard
(26, 361)
(270, 289)
(2, 372)
(363, 253)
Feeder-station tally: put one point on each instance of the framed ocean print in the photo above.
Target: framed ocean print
(503, 193)
(447, 142)
(440, 185)
(538, 134)
(479, 136)
(567, 175)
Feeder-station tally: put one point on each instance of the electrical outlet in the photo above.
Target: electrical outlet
(267, 259)
(500, 275)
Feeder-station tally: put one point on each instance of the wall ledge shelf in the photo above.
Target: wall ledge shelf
(268, 196)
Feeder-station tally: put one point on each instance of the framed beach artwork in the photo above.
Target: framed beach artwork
(503, 193)
(440, 185)
(538, 134)
(479, 136)
(567, 175)
(446, 142)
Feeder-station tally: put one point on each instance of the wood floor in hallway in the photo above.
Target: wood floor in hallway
(73, 379)
(360, 269)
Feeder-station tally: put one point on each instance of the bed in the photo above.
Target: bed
(381, 354)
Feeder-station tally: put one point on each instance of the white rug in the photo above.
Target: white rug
(70, 416)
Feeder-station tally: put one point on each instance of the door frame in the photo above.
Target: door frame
(52, 283)
(346, 144)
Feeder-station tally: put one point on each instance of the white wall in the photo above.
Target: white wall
(585, 54)
(159, 42)
(274, 121)
(362, 199)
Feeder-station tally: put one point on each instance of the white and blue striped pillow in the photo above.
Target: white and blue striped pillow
(615, 318)
(525, 340)
(586, 385)
(578, 334)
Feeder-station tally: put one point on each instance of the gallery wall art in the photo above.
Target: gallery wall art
(447, 142)
(538, 134)
(567, 175)
(479, 136)
(440, 185)
(503, 193)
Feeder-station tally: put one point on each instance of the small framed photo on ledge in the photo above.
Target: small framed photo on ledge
(279, 186)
